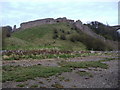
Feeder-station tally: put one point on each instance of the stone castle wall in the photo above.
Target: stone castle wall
(36, 23)
(43, 21)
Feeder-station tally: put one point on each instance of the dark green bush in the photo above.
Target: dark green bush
(90, 42)
(55, 31)
(104, 30)
(68, 32)
(72, 39)
(55, 36)
(63, 31)
(63, 37)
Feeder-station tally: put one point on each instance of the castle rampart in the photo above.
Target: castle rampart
(43, 21)
(37, 23)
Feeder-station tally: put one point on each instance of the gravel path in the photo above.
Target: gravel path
(102, 78)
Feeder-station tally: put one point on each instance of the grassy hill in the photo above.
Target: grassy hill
(62, 36)
(43, 37)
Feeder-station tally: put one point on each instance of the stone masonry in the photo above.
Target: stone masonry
(43, 21)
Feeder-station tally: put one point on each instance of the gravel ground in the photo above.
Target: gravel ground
(102, 78)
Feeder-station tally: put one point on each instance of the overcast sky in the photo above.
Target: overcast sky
(14, 13)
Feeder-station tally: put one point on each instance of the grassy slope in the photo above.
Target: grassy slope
(41, 37)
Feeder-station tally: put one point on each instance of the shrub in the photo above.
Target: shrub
(55, 31)
(21, 85)
(90, 42)
(63, 31)
(55, 36)
(68, 32)
(62, 37)
(75, 37)
(72, 39)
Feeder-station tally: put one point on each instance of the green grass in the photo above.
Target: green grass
(14, 43)
(67, 80)
(41, 37)
(108, 59)
(57, 85)
(61, 78)
(17, 73)
(21, 85)
(84, 64)
(84, 73)
(34, 86)
(32, 33)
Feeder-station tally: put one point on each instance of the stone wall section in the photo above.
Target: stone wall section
(36, 23)
(44, 21)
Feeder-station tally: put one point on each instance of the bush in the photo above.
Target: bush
(63, 31)
(68, 32)
(75, 37)
(55, 31)
(72, 39)
(104, 30)
(55, 36)
(90, 42)
(63, 37)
